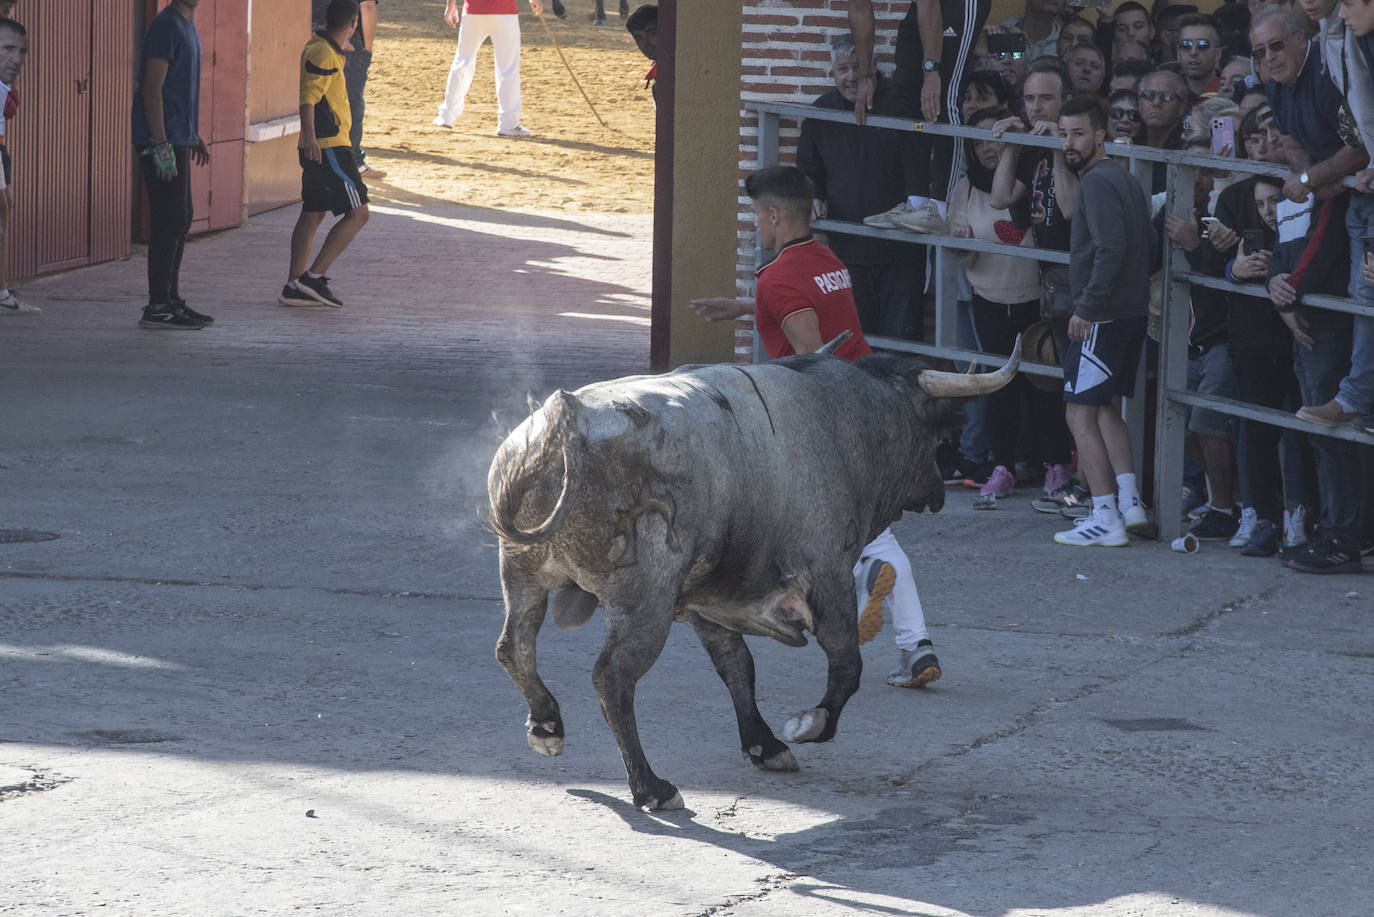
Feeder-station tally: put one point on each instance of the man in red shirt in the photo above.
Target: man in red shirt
(803, 298)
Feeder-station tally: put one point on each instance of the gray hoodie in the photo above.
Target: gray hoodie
(1109, 245)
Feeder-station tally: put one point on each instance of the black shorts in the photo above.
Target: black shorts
(1104, 366)
(5, 165)
(333, 183)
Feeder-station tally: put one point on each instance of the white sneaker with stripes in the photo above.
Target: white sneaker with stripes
(1097, 529)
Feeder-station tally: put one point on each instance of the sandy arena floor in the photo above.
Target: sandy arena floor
(572, 163)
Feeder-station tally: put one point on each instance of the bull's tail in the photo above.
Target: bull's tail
(556, 445)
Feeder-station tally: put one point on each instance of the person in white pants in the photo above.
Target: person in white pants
(498, 20)
(883, 577)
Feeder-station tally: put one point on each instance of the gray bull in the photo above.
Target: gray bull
(734, 497)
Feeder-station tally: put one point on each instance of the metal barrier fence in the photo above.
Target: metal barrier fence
(1178, 277)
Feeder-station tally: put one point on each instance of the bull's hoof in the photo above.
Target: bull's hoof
(666, 799)
(667, 805)
(805, 726)
(779, 759)
(545, 738)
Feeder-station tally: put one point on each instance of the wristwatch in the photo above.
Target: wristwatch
(928, 65)
(1303, 180)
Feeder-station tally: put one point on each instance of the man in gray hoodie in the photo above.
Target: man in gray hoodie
(1109, 264)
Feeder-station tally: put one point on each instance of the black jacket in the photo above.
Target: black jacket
(858, 171)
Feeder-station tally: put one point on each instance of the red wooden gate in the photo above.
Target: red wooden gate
(70, 140)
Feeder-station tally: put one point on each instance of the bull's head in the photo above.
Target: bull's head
(928, 490)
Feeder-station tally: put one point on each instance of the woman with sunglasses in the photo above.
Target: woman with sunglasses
(1123, 118)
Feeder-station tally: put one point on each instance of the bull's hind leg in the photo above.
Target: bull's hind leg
(526, 603)
(633, 643)
(838, 634)
(735, 666)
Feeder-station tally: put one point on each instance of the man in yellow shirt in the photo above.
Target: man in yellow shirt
(329, 177)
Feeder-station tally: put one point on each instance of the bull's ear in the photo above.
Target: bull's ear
(837, 343)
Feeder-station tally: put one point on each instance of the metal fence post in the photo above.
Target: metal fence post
(768, 138)
(1170, 426)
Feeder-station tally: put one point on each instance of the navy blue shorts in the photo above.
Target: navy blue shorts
(1104, 366)
(332, 184)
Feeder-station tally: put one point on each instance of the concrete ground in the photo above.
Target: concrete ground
(254, 674)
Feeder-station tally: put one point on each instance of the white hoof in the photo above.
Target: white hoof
(550, 746)
(805, 726)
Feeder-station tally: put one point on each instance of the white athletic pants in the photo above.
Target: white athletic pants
(908, 620)
(504, 31)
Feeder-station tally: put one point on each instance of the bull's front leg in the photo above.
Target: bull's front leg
(634, 640)
(838, 634)
(735, 666)
(526, 605)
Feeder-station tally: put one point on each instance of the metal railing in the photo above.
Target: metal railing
(1178, 277)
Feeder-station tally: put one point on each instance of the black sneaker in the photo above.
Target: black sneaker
(1215, 525)
(1061, 497)
(318, 287)
(1287, 552)
(1264, 540)
(180, 304)
(171, 319)
(1328, 557)
(292, 295)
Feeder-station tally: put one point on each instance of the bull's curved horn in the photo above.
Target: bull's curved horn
(835, 344)
(960, 385)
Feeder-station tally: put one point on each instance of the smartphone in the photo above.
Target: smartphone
(1254, 240)
(1224, 136)
(1006, 42)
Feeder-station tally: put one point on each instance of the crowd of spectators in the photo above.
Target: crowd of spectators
(1290, 86)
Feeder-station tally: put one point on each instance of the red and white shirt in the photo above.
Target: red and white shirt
(807, 275)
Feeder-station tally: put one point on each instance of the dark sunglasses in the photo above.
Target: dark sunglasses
(1202, 44)
(1276, 46)
(1163, 95)
(1129, 114)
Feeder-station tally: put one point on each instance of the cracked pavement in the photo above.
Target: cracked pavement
(272, 596)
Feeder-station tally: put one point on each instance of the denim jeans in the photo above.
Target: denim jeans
(1319, 372)
(1357, 389)
(356, 64)
(974, 442)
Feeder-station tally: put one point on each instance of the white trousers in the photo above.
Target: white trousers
(504, 31)
(908, 619)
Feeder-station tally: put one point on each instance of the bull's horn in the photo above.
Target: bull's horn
(837, 342)
(959, 385)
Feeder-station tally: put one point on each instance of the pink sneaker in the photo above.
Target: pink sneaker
(1055, 478)
(1000, 483)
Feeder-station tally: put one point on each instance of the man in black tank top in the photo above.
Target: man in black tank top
(933, 53)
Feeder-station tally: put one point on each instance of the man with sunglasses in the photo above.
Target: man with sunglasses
(1312, 256)
(1346, 40)
(1199, 53)
(1163, 103)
